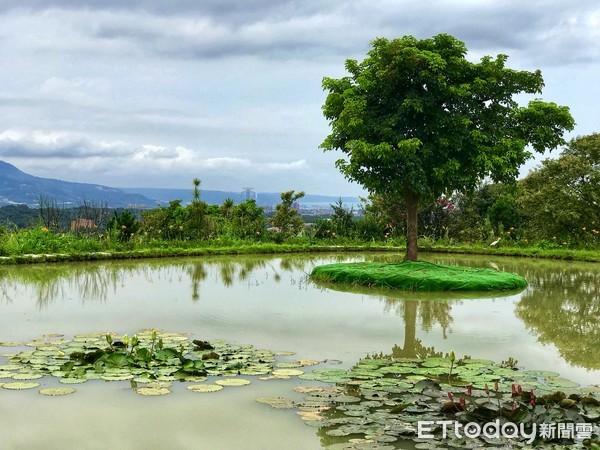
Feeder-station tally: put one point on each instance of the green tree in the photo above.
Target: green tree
(125, 225)
(342, 222)
(286, 218)
(165, 222)
(227, 208)
(248, 220)
(416, 119)
(562, 198)
(195, 222)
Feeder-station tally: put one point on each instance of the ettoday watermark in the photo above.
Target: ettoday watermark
(507, 430)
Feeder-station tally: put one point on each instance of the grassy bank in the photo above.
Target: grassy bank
(33, 246)
(531, 251)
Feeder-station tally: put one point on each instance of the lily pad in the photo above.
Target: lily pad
(72, 380)
(277, 402)
(57, 391)
(287, 372)
(233, 382)
(27, 376)
(152, 391)
(19, 385)
(204, 387)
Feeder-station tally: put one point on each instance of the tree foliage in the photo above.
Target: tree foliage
(286, 218)
(416, 119)
(248, 220)
(125, 225)
(562, 197)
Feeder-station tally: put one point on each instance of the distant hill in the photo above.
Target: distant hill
(218, 197)
(17, 187)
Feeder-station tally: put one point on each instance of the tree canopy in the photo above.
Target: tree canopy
(562, 197)
(416, 119)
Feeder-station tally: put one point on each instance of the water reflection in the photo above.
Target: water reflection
(564, 309)
(561, 307)
(97, 281)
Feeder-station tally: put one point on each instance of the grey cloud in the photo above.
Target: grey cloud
(35, 143)
(236, 12)
(548, 31)
(540, 31)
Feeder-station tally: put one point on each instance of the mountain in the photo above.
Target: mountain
(17, 187)
(164, 195)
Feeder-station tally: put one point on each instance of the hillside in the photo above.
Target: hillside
(164, 195)
(18, 187)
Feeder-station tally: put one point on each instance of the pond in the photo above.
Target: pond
(269, 302)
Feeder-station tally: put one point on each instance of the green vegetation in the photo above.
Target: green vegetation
(150, 360)
(416, 120)
(418, 276)
(551, 213)
(378, 403)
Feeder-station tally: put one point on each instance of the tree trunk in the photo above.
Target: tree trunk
(410, 330)
(412, 203)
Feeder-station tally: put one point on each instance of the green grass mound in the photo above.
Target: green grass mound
(421, 276)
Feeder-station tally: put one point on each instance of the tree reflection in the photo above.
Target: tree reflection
(430, 313)
(563, 308)
(197, 273)
(96, 281)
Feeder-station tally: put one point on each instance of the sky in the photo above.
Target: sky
(148, 93)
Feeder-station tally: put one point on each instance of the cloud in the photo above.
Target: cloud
(74, 157)
(23, 142)
(76, 89)
(549, 31)
(125, 92)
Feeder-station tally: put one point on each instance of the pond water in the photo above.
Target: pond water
(268, 301)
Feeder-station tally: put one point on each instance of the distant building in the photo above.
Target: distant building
(83, 224)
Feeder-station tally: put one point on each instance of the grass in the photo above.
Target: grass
(40, 245)
(418, 276)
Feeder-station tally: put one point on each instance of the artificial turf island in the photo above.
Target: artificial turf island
(419, 276)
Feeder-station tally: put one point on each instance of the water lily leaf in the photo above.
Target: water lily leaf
(307, 389)
(288, 365)
(541, 373)
(72, 380)
(308, 362)
(204, 387)
(345, 399)
(436, 362)
(272, 377)
(11, 344)
(310, 415)
(255, 371)
(117, 377)
(277, 402)
(233, 382)
(287, 372)
(151, 391)
(559, 382)
(195, 379)
(27, 376)
(481, 362)
(57, 391)
(18, 385)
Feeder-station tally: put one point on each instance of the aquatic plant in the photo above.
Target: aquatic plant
(151, 360)
(379, 403)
